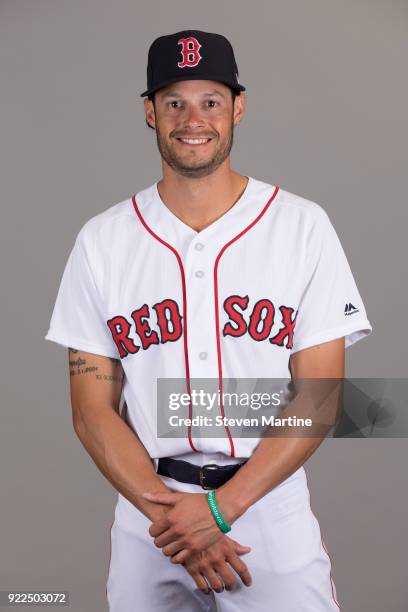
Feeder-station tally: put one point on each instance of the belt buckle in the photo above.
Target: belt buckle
(210, 466)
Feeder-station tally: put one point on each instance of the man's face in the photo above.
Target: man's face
(189, 111)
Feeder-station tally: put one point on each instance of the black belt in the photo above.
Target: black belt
(209, 476)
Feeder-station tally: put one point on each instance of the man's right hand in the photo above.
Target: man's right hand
(212, 567)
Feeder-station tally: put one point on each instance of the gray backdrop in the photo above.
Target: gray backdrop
(326, 119)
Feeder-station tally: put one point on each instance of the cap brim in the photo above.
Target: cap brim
(234, 86)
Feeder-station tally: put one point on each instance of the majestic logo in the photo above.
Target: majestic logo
(190, 51)
(169, 326)
(350, 309)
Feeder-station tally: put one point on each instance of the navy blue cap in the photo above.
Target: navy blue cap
(191, 54)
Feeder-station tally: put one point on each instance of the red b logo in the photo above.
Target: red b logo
(189, 51)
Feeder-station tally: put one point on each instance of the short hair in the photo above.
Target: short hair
(234, 94)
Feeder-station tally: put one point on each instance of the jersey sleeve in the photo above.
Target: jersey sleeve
(331, 306)
(78, 319)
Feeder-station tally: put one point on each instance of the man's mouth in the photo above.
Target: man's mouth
(194, 141)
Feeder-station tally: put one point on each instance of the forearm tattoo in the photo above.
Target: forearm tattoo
(78, 366)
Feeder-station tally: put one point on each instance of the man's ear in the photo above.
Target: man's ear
(239, 108)
(150, 113)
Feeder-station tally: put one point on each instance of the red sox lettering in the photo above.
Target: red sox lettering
(256, 320)
(120, 327)
(169, 326)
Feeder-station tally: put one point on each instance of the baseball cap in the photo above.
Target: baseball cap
(191, 54)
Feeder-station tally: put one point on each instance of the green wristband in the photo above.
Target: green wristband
(221, 522)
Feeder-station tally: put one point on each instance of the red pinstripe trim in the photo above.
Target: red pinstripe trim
(325, 549)
(217, 317)
(110, 557)
(183, 284)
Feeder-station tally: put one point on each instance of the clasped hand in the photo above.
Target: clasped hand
(188, 526)
(188, 534)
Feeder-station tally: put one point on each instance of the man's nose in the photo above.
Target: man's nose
(193, 117)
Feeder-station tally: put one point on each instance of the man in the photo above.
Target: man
(206, 274)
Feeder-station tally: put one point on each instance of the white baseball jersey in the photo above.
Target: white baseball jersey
(265, 280)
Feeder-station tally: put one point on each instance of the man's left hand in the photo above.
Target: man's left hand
(188, 526)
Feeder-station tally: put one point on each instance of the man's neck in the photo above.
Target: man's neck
(199, 202)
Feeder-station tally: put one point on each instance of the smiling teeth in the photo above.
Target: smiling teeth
(195, 141)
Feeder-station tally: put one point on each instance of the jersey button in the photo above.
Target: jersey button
(199, 246)
(199, 274)
(203, 355)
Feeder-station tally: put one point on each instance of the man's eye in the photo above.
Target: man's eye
(176, 103)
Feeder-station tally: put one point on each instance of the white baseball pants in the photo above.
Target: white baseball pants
(290, 568)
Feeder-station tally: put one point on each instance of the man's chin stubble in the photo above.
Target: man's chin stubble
(192, 171)
(198, 171)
